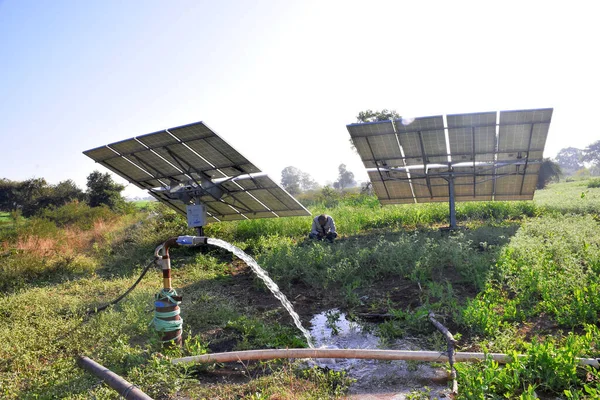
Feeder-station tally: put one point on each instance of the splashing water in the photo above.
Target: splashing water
(262, 274)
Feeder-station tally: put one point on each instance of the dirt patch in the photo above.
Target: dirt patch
(541, 326)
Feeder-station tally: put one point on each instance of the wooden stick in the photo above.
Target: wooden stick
(450, 341)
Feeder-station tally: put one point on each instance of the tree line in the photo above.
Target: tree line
(573, 161)
(296, 181)
(32, 195)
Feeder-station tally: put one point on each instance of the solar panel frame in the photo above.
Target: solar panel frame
(193, 154)
(505, 149)
(423, 140)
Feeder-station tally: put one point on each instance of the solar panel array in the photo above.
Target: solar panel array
(193, 156)
(488, 156)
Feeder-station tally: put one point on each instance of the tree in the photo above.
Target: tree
(290, 179)
(35, 194)
(591, 153)
(102, 190)
(30, 195)
(295, 181)
(549, 171)
(60, 194)
(570, 160)
(345, 178)
(8, 195)
(65, 192)
(308, 183)
(372, 116)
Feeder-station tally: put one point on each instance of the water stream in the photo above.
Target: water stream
(262, 274)
(331, 329)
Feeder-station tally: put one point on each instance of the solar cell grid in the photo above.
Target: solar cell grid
(412, 148)
(384, 147)
(505, 150)
(127, 146)
(461, 141)
(183, 158)
(398, 189)
(157, 139)
(470, 120)
(226, 150)
(434, 143)
(196, 130)
(526, 116)
(100, 153)
(156, 160)
(152, 162)
(420, 124)
(371, 129)
(125, 167)
(363, 149)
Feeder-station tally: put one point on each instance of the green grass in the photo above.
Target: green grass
(144, 204)
(517, 277)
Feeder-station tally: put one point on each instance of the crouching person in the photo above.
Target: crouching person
(323, 227)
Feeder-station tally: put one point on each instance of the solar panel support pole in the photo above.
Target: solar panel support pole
(452, 202)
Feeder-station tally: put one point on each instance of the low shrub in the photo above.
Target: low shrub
(77, 214)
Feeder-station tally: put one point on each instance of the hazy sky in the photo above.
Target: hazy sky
(279, 80)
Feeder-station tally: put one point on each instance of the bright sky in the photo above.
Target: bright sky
(279, 80)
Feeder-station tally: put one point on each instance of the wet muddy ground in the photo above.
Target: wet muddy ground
(375, 379)
(330, 328)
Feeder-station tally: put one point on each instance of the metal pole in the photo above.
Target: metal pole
(128, 390)
(452, 202)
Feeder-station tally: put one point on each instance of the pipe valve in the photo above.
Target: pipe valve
(191, 240)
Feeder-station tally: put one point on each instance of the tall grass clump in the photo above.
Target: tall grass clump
(60, 241)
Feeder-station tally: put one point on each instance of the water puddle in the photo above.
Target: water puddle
(375, 379)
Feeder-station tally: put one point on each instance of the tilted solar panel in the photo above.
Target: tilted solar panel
(193, 159)
(485, 156)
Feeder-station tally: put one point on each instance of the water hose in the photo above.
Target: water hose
(121, 297)
(124, 388)
(376, 354)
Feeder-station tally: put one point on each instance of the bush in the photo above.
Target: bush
(77, 214)
(594, 183)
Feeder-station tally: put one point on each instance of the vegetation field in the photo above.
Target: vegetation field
(516, 278)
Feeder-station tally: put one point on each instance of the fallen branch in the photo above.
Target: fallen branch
(450, 341)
